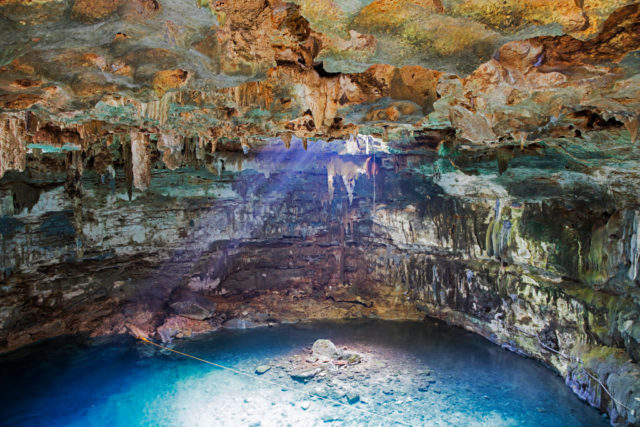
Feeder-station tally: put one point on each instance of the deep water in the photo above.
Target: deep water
(120, 382)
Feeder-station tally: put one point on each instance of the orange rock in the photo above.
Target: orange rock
(415, 83)
(392, 113)
(620, 34)
(91, 84)
(384, 15)
(94, 10)
(137, 10)
(21, 65)
(25, 84)
(169, 79)
(20, 101)
(95, 60)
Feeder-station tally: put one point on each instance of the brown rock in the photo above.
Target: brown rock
(94, 10)
(169, 79)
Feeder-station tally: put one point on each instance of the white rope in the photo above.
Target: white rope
(275, 383)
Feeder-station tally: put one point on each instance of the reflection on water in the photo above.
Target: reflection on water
(119, 382)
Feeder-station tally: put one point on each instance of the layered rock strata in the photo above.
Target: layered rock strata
(164, 165)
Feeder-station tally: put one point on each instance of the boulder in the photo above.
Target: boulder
(191, 305)
(326, 349)
(179, 326)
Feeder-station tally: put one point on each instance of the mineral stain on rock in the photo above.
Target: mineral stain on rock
(57, 224)
(244, 163)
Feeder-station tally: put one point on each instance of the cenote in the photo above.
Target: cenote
(422, 373)
(369, 212)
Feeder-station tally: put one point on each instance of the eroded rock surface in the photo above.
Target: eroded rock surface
(182, 166)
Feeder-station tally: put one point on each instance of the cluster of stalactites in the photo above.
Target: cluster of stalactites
(13, 147)
(349, 170)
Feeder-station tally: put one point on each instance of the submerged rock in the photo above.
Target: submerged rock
(262, 369)
(424, 387)
(306, 375)
(352, 359)
(352, 397)
(325, 348)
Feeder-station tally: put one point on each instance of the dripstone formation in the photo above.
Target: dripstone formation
(182, 165)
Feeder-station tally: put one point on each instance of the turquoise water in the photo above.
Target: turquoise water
(120, 382)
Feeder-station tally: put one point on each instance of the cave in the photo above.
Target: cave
(319, 212)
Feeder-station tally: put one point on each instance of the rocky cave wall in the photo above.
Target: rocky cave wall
(266, 242)
(164, 164)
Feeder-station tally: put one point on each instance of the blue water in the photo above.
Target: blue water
(120, 382)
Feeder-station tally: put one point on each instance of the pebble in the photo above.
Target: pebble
(305, 375)
(352, 397)
(328, 418)
(262, 369)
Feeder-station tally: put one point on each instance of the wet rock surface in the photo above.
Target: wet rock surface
(483, 255)
(183, 166)
(191, 305)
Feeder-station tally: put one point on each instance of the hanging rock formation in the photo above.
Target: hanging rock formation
(173, 166)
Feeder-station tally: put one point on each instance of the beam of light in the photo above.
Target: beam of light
(275, 189)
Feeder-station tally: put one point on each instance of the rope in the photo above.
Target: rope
(569, 358)
(282, 386)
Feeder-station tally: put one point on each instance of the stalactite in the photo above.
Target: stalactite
(73, 183)
(245, 145)
(214, 145)
(157, 110)
(171, 147)
(286, 138)
(13, 144)
(128, 165)
(634, 246)
(199, 147)
(633, 126)
(32, 124)
(349, 172)
(140, 160)
(77, 215)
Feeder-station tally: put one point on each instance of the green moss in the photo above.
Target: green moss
(583, 294)
(600, 354)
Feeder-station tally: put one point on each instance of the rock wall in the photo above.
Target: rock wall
(169, 171)
(289, 235)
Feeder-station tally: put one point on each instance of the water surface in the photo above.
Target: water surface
(120, 382)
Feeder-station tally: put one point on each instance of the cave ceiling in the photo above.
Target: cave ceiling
(502, 80)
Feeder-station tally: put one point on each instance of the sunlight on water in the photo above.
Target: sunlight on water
(121, 383)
